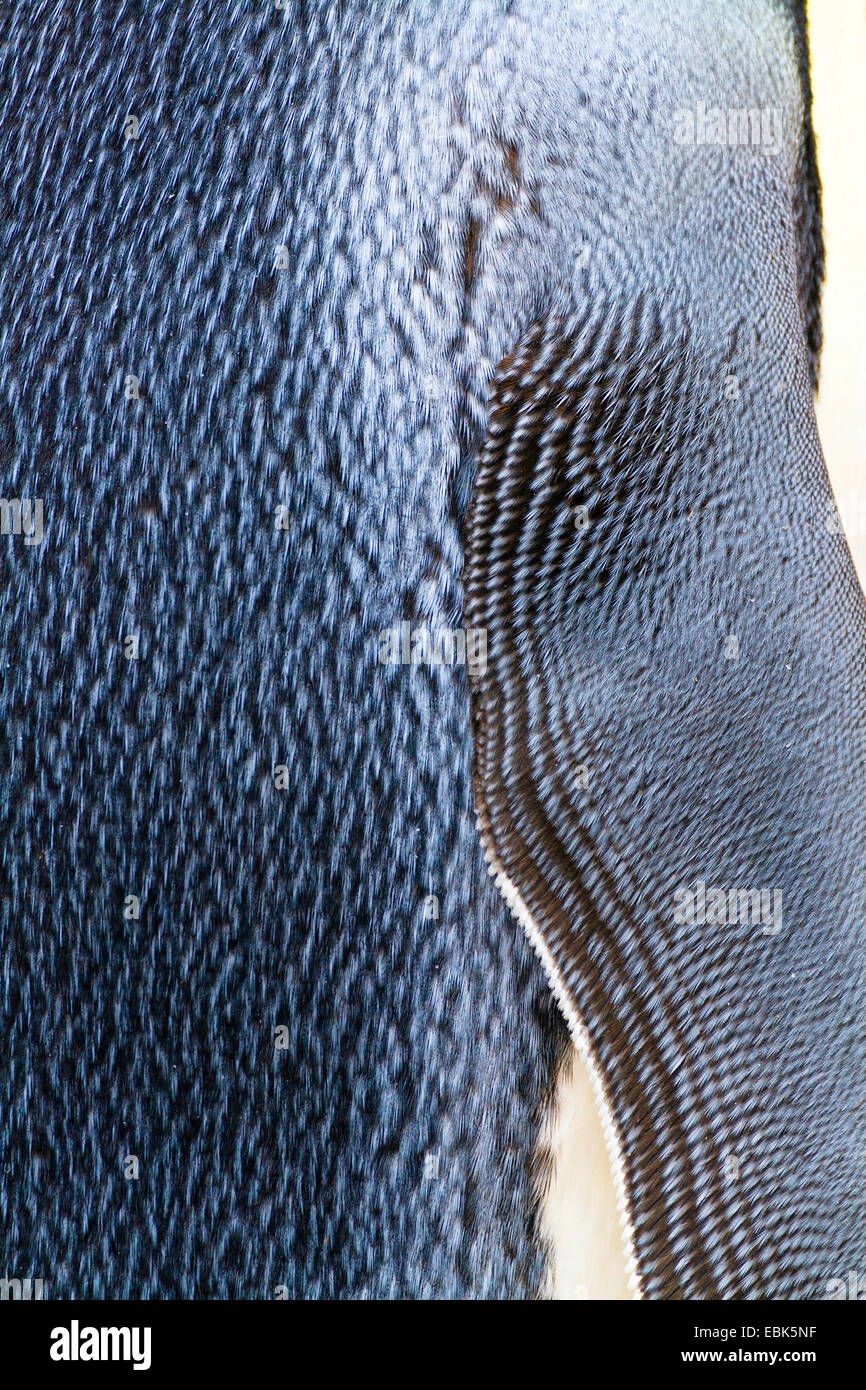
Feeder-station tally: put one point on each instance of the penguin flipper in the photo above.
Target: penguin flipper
(668, 729)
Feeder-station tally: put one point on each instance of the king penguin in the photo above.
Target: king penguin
(424, 650)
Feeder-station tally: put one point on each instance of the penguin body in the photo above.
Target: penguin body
(249, 369)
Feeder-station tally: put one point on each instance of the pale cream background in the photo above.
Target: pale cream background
(838, 35)
(580, 1210)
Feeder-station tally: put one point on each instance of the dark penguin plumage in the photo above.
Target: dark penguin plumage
(401, 289)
